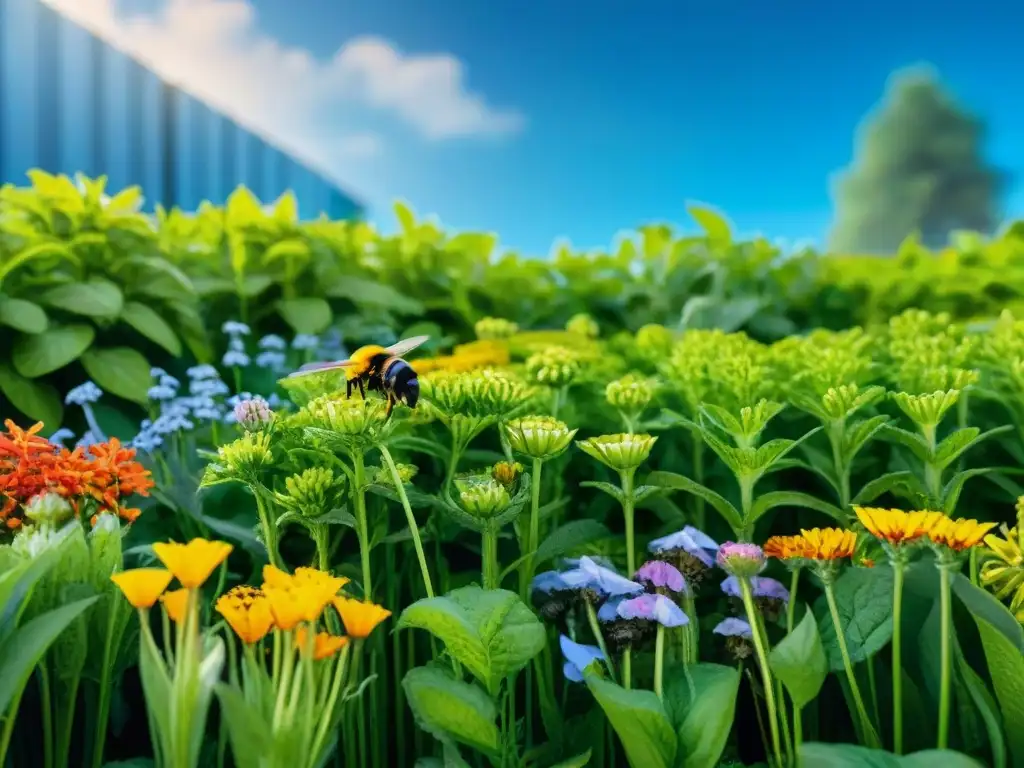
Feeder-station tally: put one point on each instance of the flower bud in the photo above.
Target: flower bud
(48, 508)
(312, 492)
(631, 394)
(253, 415)
(583, 325)
(554, 366)
(741, 559)
(539, 437)
(484, 499)
(406, 472)
(506, 473)
(495, 328)
(622, 452)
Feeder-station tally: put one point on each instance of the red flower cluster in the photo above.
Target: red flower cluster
(29, 465)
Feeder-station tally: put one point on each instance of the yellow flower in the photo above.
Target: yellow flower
(893, 526)
(822, 544)
(359, 617)
(142, 586)
(247, 611)
(959, 534)
(1003, 570)
(175, 604)
(299, 597)
(192, 563)
(324, 644)
(786, 548)
(319, 588)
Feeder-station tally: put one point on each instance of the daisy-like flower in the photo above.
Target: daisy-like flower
(893, 527)
(656, 608)
(551, 595)
(791, 549)
(1003, 569)
(957, 535)
(359, 617)
(247, 611)
(604, 582)
(539, 437)
(659, 575)
(578, 658)
(740, 559)
(690, 550)
(175, 603)
(621, 452)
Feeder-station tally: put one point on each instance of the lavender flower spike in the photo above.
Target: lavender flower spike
(760, 586)
(662, 575)
(590, 575)
(733, 627)
(577, 658)
(653, 608)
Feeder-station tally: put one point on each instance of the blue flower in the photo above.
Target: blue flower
(590, 575)
(305, 341)
(689, 540)
(234, 328)
(653, 608)
(83, 394)
(61, 435)
(609, 611)
(733, 627)
(208, 388)
(760, 586)
(577, 658)
(272, 341)
(274, 361)
(87, 440)
(160, 393)
(156, 373)
(233, 358)
(166, 380)
(548, 582)
(201, 372)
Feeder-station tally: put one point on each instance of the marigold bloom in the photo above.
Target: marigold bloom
(817, 544)
(893, 526)
(956, 534)
(786, 548)
(192, 563)
(142, 586)
(175, 603)
(359, 617)
(324, 645)
(247, 611)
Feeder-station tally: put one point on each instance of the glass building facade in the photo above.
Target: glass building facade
(71, 103)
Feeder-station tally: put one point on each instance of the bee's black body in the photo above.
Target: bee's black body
(390, 375)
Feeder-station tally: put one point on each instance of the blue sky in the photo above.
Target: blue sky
(611, 114)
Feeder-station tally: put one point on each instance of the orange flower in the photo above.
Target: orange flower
(301, 596)
(359, 617)
(324, 644)
(959, 534)
(893, 526)
(786, 548)
(142, 586)
(175, 603)
(813, 544)
(247, 611)
(192, 563)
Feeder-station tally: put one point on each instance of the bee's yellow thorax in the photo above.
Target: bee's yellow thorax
(363, 354)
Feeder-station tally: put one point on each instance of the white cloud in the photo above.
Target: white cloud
(214, 50)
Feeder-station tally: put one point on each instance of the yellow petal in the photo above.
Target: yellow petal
(192, 563)
(175, 603)
(142, 586)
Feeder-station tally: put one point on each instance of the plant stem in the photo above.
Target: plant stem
(596, 629)
(46, 710)
(106, 682)
(627, 513)
(269, 527)
(359, 498)
(659, 661)
(533, 535)
(410, 519)
(946, 628)
(489, 553)
(898, 568)
(794, 584)
(766, 677)
(858, 700)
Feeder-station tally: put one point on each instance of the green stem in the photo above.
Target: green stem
(700, 513)
(627, 668)
(746, 533)
(596, 629)
(794, 584)
(946, 677)
(321, 537)
(359, 498)
(10, 717)
(766, 677)
(533, 538)
(627, 513)
(489, 554)
(46, 709)
(268, 526)
(659, 661)
(898, 568)
(858, 700)
(66, 721)
(410, 519)
(798, 734)
(110, 645)
(691, 632)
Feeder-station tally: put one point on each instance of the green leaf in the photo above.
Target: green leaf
(716, 227)
(767, 501)
(248, 730)
(679, 482)
(910, 440)
(986, 606)
(1006, 669)
(51, 350)
(640, 721)
(962, 440)
(253, 285)
(952, 490)
(285, 249)
(987, 709)
(362, 292)
(822, 755)
(35, 399)
(859, 434)
(864, 602)
(702, 721)
(491, 632)
(575, 762)
(148, 322)
(25, 647)
(309, 315)
(799, 661)
(903, 484)
(121, 371)
(22, 315)
(93, 298)
(570, 537)
(452, 710)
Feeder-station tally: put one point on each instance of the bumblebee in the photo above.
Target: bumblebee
(378, 369)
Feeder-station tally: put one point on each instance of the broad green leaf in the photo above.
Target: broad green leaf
(612, 490)
(575, 762)
(767, 501)
(715, 225)
(799, 661)
(22, 315)
(1006, 669)
(703, 721)
(491, 632)
(568, 538)
(864, 602)
(859, 434)
(308, 315)
(122, 371)
(903, 484)
(35, 399)
(406, 217)
(910, 440)
(362, 291)
(49, 351)
(248, 731)
(956, 444)
(982, 604)
(822, 755)
(987, 709)
(679, 482)
(24, 648)
(253, 285)
(452, 710)
(94, 298)
(286, 249)
(286, 209)
(49, 249)
(640, 721)
(148, 322)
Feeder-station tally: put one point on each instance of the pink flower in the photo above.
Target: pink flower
(663, 575)
(741, 559)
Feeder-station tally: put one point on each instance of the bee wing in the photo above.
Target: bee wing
(318, 367)
(405, 346)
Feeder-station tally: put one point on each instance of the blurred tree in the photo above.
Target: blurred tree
(919, 168)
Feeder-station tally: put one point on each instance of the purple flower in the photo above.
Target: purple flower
(548, 582)
(653, 608)
(577, 658)
(760, 586)
(661, 574)
(590, 575)
(253, 414)
(689, 540)
(733, 627)
(740, 559)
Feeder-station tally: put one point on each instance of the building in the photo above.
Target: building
(70, 102)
